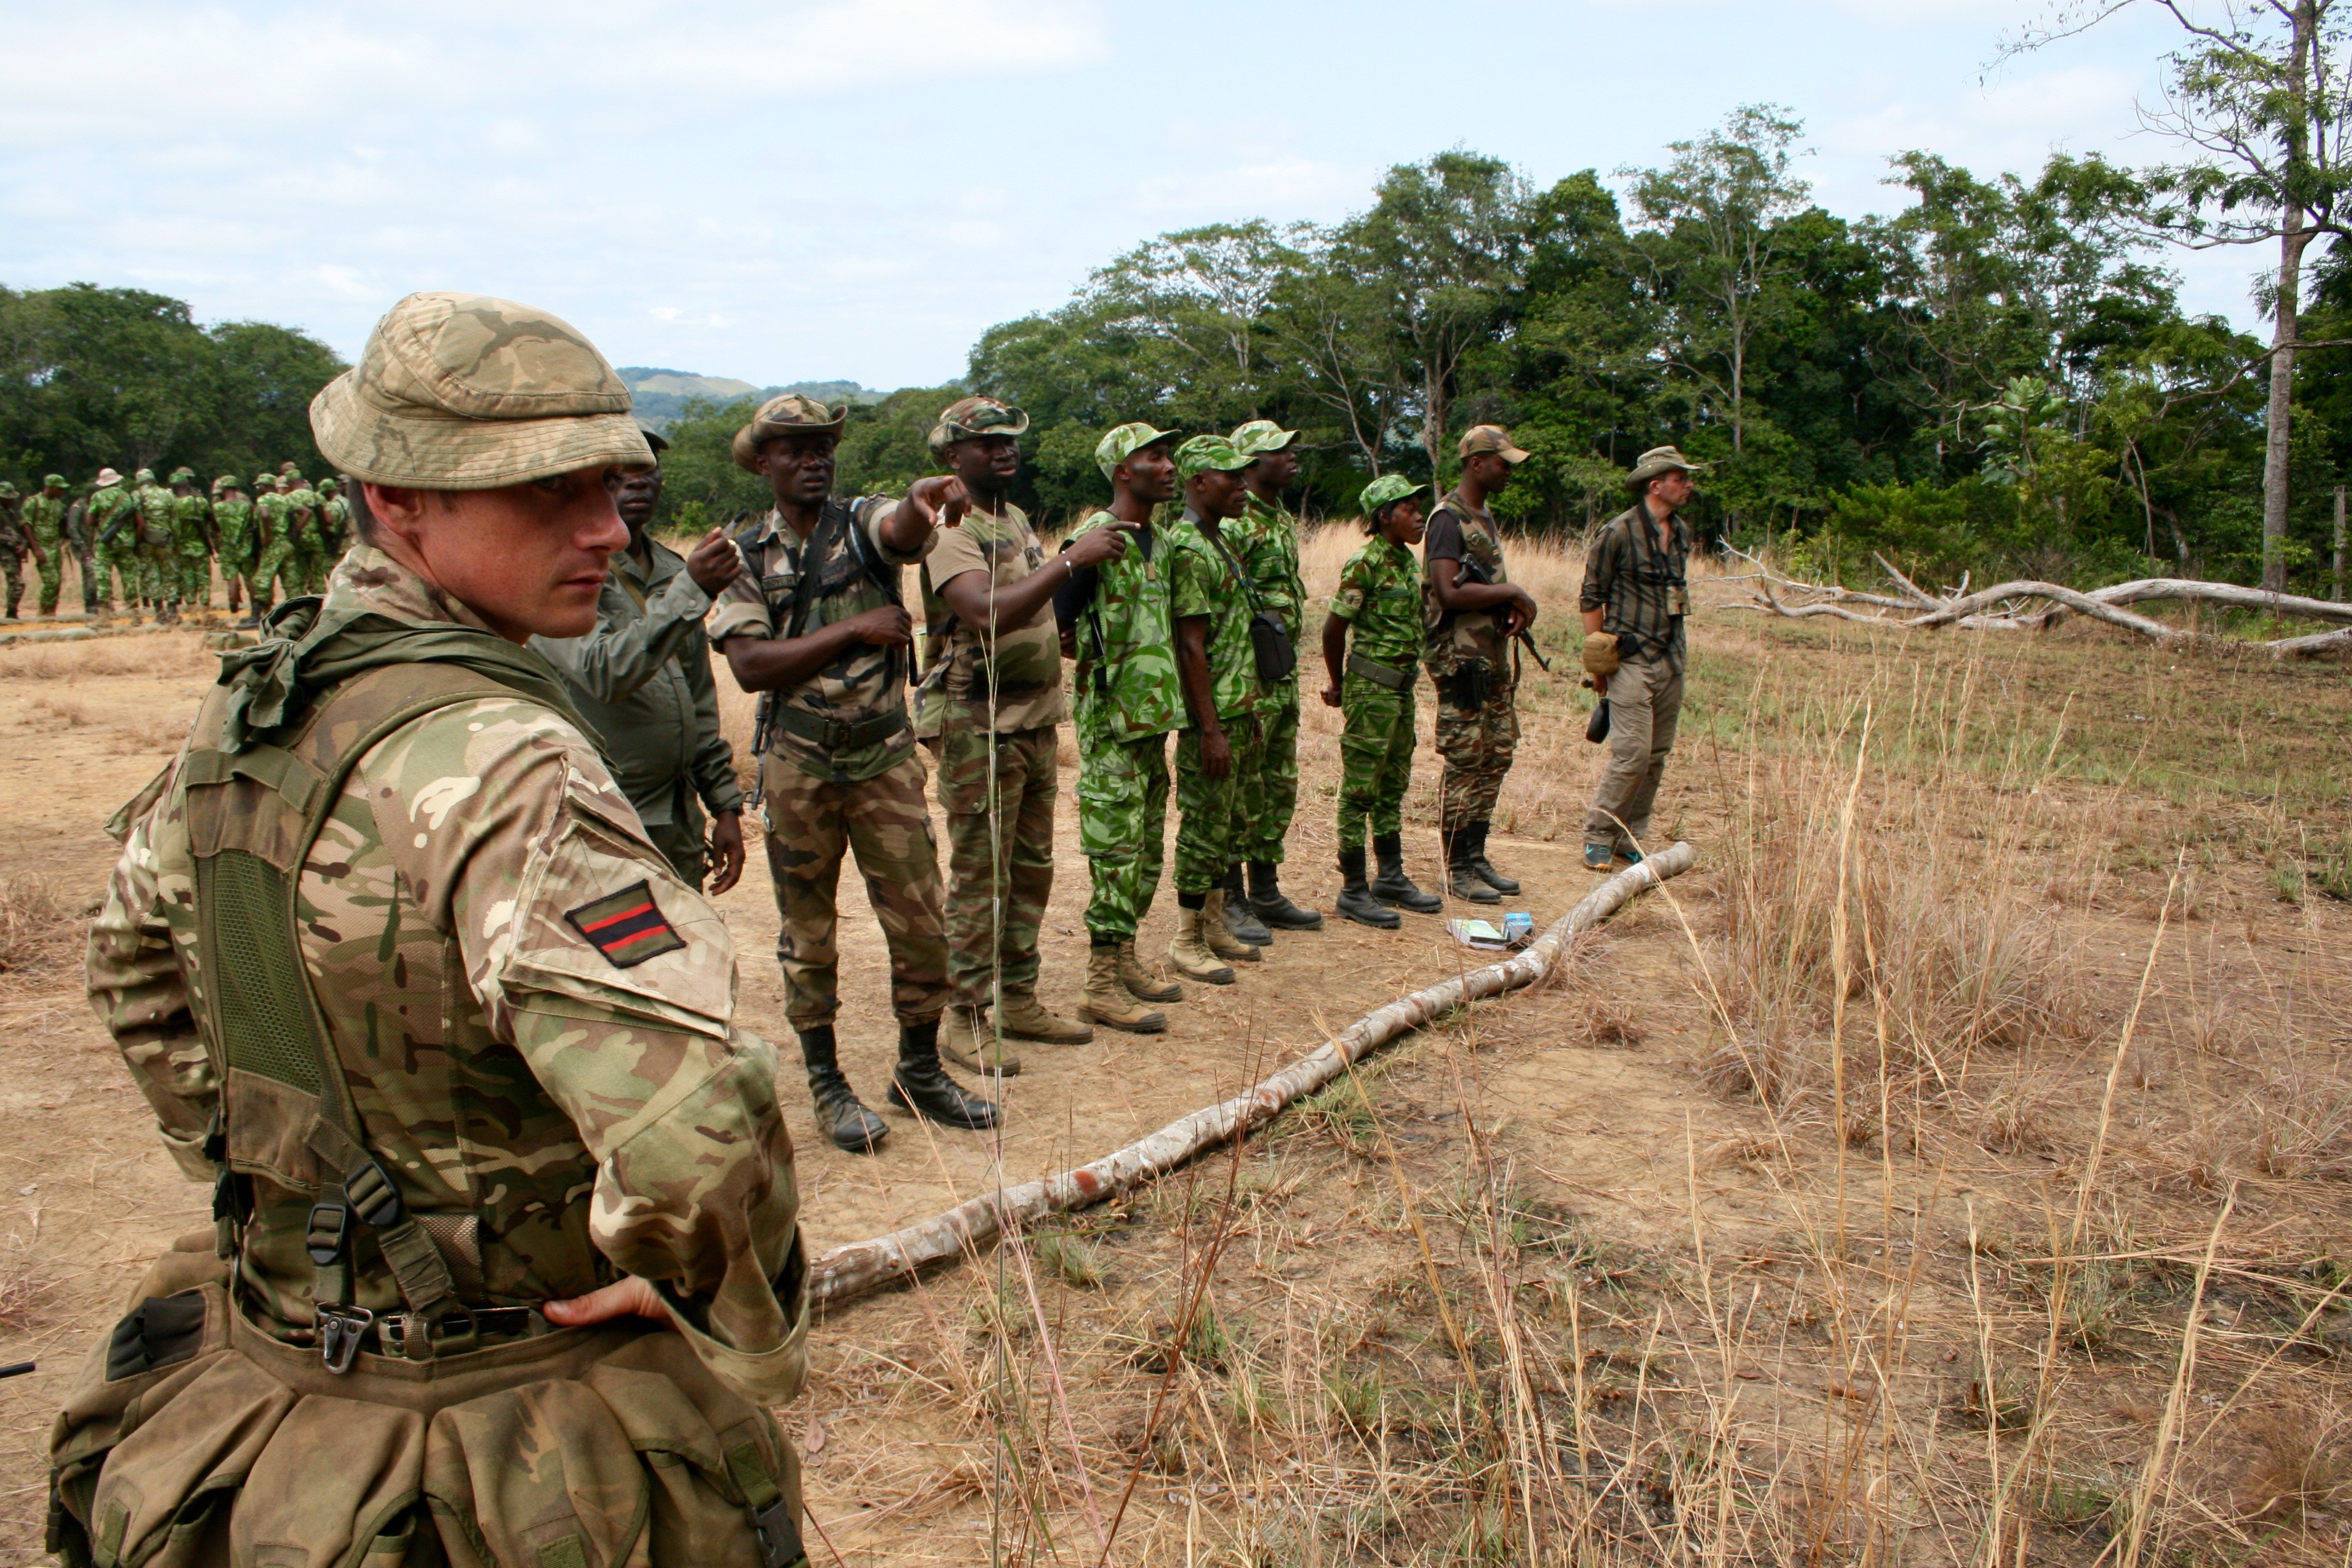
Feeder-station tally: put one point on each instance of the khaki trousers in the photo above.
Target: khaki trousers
(1645, 700)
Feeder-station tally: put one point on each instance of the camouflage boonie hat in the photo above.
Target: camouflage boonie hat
(1202, 453)
(184, 475)
(143, 477)
(1259, 436)
(788, 415)
(7, 491)
(109, 477)
(1490, 438)
(53, 482)
(1124, 442)
(464, 392)
(969, 417)
(1382, 491)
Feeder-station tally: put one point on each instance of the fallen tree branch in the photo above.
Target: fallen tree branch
(862, 1266)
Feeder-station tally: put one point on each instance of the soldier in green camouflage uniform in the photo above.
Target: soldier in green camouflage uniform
(16, 544)
(334, 523)
(1115, 622)
(1265, 536)
(990, 710)
(1473, 612)
(192, 543)
(45, 529)
(115, 550)
(1378, 599)
(816, 625)
(273, 547)
(509, 1266)
(233, 518)
(311, 558)
(1210, 603)
(159, 559)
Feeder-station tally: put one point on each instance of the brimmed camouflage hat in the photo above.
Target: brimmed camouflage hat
(463, 392)
(264, 480)
(1490, 438)
(53, 482)
(1659, 460)
(1202, 453)
(967, 417)
(184, 475)
(1259, 436)
(658, 441)
(7, 491)
(1125, 441)
(790, 415)
(143, 477)
(109, 477)
(1382, 492)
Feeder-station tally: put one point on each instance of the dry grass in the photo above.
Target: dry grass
(38, 926)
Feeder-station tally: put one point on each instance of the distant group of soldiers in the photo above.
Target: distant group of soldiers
(150, 547)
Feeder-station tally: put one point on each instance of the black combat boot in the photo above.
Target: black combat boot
(1484, 866)
(1239, 920)
(839, 1114)
(923, 1088)
(1461, 880)
(1356, 900)
(1394, 888)
(1270, 904)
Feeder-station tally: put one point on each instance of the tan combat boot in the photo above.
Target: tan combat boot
(1020, 1019)
(966, 1040)
(1107, 1000)
(1190, 956)
(1140, 983)
(1218, 937)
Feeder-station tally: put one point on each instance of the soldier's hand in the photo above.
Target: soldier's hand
(1098, 545)
(1523, 611)
(715, 563)
(1331, 695)
(935, 493)
(628, 1297)
(727, 850)
(887, 627)
(1216, 755)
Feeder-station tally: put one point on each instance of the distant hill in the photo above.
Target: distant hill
(661, 395)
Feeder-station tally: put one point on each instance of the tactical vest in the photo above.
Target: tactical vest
(286, 1109)
(1452, 638)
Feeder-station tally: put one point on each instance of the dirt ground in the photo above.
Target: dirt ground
(1603, 1194)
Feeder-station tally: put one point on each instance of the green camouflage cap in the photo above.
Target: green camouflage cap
(1381, 492)
(264, 480)
(53, 482)
(969, 417)
(464, 392)
(788, 415)
(184, 475)
(1202, 453)
(1259, 436)
(225, 482)
(1490, 438)
(143, 477)
(1125, 442)
(288, 468)
(326, 487)
(288, 473)
(7, 491)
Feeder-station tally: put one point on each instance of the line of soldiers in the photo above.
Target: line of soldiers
(156, 543)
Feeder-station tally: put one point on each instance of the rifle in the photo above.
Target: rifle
(1475, 571)
(123, 517)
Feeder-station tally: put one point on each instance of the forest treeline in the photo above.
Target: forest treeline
(1996, 376)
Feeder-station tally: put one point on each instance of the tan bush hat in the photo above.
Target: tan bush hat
(463, 392)
(1490, 438)
(787, 413)
(1661, 460)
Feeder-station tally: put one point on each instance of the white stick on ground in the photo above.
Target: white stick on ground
(861, 1267)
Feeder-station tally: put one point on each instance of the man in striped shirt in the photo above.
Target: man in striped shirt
(1636, 594)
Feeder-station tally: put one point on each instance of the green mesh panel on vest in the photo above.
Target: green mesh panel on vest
(259, 980)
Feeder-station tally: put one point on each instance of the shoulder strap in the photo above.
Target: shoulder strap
(252, 818)
(1233, 565)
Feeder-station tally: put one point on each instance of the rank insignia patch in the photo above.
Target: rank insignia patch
(626, 927)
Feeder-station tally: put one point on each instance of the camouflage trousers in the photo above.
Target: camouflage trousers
(274, 567)
(1122, 828)
(1270, 792)
(49, 561)
(310, 568)
(235, 559)
(997, 882)
(11, 562)
(195, 574)
(1477, 743)
(1376, 741)
(1208, 811)
(118, 563)
(1645, 703)
(811, 823)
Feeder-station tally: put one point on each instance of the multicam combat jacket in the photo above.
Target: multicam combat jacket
(532, 1013)
(1125, 676)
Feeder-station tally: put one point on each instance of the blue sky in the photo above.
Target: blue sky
(819, 188)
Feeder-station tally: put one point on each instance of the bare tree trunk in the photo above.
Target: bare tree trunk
(2280, 414)
(2338, 594)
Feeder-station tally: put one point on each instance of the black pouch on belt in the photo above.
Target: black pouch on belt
(1472, 682)
(1597, 731)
